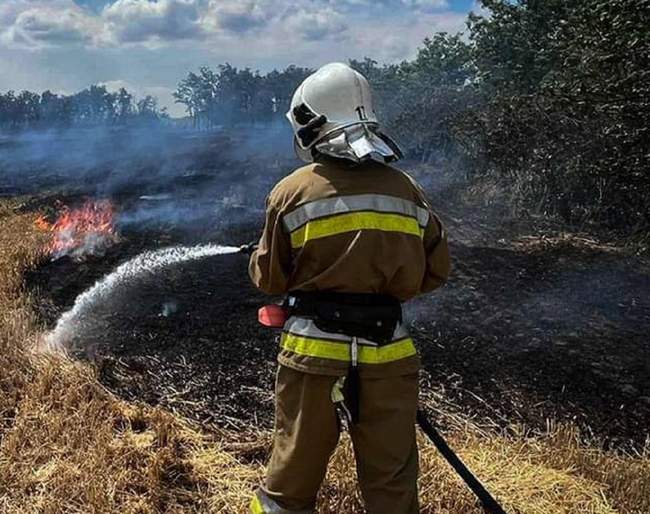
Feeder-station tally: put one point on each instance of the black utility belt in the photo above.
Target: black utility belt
(369, 316)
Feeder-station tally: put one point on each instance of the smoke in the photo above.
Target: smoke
(92, 244)
(225, 206)
(157, 175)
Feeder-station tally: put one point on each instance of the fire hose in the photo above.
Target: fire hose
(273, 316)
(490, 504)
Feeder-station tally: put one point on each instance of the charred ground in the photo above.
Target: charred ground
(535, 323)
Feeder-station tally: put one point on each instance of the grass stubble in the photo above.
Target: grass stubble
(67, 445)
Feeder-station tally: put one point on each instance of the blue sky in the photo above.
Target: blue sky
(149, 45)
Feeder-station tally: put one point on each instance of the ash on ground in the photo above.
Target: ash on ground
(534, 324)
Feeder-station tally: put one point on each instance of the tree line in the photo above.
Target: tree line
(228, 95)
(91, 107)
(549, 97)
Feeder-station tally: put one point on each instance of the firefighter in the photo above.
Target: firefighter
(348, 237)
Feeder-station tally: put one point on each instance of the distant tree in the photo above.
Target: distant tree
(50, 107)
(188, 93)
(124, 106)
(147, 108)
(230, 95)
(91, 107)
(8, 110)
(28, 108)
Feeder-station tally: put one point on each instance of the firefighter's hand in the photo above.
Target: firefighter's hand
(248, 248)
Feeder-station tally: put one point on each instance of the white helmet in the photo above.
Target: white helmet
(332, 111)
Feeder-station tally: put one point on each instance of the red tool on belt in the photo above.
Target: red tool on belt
(273, 316)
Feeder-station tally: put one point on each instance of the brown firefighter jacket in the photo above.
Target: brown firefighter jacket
(332, 226)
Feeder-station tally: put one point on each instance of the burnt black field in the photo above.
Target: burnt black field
(536, 322)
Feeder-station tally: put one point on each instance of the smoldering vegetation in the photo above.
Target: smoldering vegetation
(550, 321)
(531, 316)
(184, 180)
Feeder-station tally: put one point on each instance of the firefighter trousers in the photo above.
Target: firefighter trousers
(307, 432)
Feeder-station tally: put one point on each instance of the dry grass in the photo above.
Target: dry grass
(19, 244)
(69, 446)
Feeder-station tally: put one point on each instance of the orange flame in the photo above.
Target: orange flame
(88, 230)
(42, 223)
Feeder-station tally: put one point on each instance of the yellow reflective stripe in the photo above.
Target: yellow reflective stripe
(353, 221)
(256, 506)
(323, 207)
(319, 348)
(389, 353)
(310, 347)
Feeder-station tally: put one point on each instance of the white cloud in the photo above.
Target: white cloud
(391, 4)
(43, 26)
(37, 24)
(238, 16)
(432, 4)
(314, 24)
(138, 21)
(274, 22)
(398, 39)
(153, 23)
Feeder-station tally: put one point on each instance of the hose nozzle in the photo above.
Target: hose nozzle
(248, 248)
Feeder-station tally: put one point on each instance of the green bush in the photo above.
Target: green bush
(565, 90)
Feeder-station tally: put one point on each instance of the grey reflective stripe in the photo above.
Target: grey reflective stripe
(343, 204)
(306, 328)
(270, 507)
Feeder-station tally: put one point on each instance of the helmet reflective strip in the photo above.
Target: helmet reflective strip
(319, 348)
(354, 222)
(307, 328)
(365, 202)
